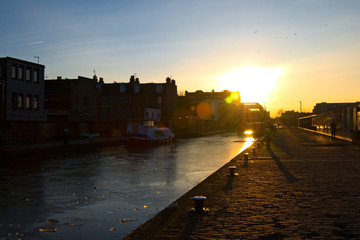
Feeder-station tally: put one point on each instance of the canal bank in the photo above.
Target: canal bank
(79, 145)
(20, 152)
(104, 193)
(304, 186)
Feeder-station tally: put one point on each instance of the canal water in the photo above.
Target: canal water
(107, 193)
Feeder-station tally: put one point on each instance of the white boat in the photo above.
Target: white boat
(146, 133)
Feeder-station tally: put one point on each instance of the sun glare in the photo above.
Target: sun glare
(254, 84)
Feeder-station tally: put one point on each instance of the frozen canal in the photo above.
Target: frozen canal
(106, 193)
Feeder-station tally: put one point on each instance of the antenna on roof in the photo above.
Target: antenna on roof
(38, 58)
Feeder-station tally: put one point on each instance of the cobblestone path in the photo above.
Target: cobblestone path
(305, 186)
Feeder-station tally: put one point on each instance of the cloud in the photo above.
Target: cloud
(31, 43)
(23, 45)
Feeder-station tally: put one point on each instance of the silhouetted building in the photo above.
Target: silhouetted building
(133, 100)
(253, 112)
(72, 99)
(328, 107)
(22, 90)
(346, 117)
(290, 118)
(200, 112)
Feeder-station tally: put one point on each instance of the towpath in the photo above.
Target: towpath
(305, 186)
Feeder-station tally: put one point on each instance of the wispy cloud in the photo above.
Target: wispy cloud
(23, 45)
(31, 43)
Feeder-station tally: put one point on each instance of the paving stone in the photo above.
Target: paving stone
(305, 186)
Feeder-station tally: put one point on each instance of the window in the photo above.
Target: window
(136, 88)
(86, 101)
(14, 101)
(36, 75)
(159, 100)
(20, 101)
(36, 102)
(28, 74)
(13, 71)
(28, 102)
(20, 72)
(122, 87)
(158, 88)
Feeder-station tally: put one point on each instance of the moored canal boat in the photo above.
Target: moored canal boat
(147, 134)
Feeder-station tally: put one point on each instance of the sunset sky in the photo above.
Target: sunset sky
(277, 53)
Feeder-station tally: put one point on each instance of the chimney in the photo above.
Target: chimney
(59, 78)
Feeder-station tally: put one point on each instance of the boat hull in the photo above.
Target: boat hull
(142, 142)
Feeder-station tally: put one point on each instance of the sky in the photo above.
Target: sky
(278, 53)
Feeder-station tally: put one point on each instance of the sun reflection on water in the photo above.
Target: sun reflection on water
(248, 142)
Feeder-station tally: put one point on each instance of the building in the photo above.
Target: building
(22, 90)
(328, 107)
(136, 101)
(290, 118)
(345, 115)
(73, 99)
(201, 112)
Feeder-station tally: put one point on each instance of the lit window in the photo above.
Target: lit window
(28, 74)
(28, 102)
(36, 75)
(20, 73)
(20, 101)
(36, 103)
(13, 71)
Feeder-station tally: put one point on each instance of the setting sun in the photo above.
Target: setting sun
(254, 84)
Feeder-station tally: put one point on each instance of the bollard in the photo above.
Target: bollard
(199, 204)
(246, 156)
(232, 171)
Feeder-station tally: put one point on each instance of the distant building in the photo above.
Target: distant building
(22, 90)
(201, 112)
(328, 107)
(221, 104)
(72, 99)
(253, 112)
(290, 118)
(345, 115)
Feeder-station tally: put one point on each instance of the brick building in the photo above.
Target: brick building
(22, 90)
(73, 99)
(133, 100)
